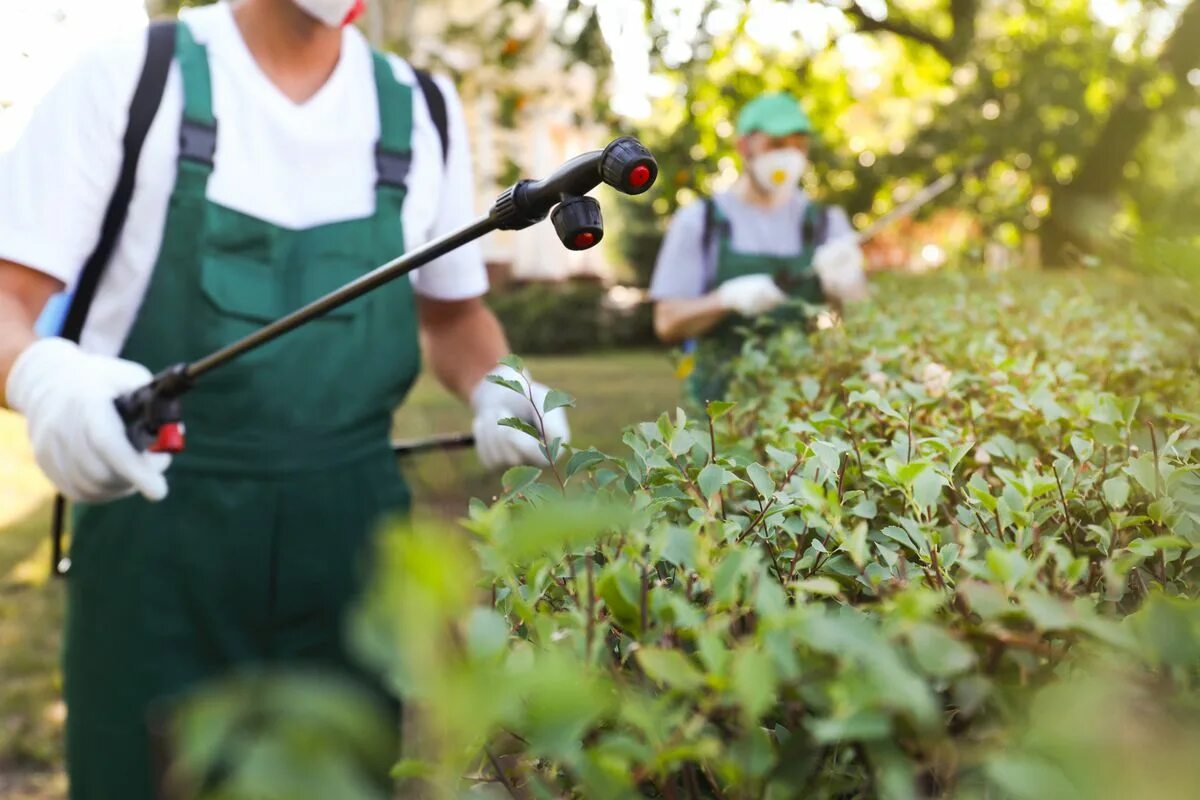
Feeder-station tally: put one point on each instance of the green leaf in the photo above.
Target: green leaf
(927, 488)
(1142, 470)
(855, 544)
(719, 408)
(519, 478)
(753, 682)
(713, 652)
(1048, 613)
(895, 774)
(513, 361)
(512, 385)
(1082, 447)
(729, 572)
(682, 442)
(828, 455)
(1116, 491)
(620, 589)
(900, 535)
(859, 726)
(938, 653)
(670, 668)
(713, 478)
(827, 587)
(682, 548)
(521, 425)
(487, 633)
(783, 458)
(583, 459)
(906, 474)
(865, 508)
(983, 497)
(556, 399)
(959, 453)
(763, 483)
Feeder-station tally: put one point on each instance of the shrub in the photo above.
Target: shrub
(553, 318)
(911, 561)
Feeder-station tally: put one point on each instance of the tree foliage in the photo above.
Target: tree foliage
(1061, 99)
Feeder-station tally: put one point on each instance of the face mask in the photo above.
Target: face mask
(334, 13)
(778, 171)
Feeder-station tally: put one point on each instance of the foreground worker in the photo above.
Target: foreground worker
(327, 161)
(743, 254)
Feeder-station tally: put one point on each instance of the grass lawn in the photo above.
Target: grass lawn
(613, 390)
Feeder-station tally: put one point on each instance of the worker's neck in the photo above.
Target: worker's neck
(295, 51)
(749, 192)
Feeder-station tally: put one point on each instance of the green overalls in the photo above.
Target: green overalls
(716, 351)
(258, 550)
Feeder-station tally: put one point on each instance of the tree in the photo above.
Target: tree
(1080, 202)
(1060, 98)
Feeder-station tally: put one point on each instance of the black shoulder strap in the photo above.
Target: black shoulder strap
(437, 108)
(707, 236)
(710, 223)
(160, 48)
(816, 225)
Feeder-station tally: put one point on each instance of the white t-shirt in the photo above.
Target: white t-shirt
(683, 267)
(296, 166)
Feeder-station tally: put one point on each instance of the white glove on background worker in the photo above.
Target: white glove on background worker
(839, 266)
(750, 295)
(78, 437)
(500, 446)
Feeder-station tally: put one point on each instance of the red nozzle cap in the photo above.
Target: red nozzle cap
(639, 176)
(584, 240)
(170, 439)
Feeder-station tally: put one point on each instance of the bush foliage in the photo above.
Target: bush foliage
(944, 549)
(571, 317)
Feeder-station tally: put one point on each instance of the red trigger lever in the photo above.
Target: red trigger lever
(171, 439)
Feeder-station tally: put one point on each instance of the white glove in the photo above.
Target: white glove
(750, 295)
(500, 446)
(78, 437)
(839, 266)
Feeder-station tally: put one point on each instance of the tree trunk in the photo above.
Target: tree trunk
(1082, 210)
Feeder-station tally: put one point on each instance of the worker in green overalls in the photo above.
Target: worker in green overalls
(734, 261)
(285, 158)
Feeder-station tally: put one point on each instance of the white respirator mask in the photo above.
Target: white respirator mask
(334, 13)
(779, 171)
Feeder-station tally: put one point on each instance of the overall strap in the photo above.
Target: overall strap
(437, 109)
(393, 152)
(815, 230)
(160, 47)
(716, 231)
(147, 96)
(198, 128)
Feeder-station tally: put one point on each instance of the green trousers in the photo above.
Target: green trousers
(225, 573)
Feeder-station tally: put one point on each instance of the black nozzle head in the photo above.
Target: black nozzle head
(578, 223)
(628, 166)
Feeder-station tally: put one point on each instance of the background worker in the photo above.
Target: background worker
(743, 254)
(285, 159)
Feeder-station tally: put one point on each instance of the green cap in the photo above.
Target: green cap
(775, 114)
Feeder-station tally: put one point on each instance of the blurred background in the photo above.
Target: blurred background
(1088, 112)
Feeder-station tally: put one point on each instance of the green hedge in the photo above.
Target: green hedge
(570, 317)
(945, 550)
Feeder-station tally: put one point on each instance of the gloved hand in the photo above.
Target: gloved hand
(750, 295)
(78, 437)
(500, 446)
(839, 266)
